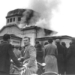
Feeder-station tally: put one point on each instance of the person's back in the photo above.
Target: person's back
(4, 56)
(50, 58)
(6, 53)
(50, 49)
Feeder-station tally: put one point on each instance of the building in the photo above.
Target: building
(15, 17)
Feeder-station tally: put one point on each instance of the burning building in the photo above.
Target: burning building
(22, 22)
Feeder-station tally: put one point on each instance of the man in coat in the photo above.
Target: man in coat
(6, 54)
(30, 55)
(39, 51)
(51, 57)
(61, 58)
(70, 59)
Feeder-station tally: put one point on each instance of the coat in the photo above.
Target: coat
(50, 49)
(30, 54)
(50, 58)
(6, 53)
(17, 53)
(61, 58)
(70, 63)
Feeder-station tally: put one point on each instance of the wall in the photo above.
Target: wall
(40, 33)
(12, 30)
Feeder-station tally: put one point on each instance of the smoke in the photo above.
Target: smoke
(45, 8)
(30, 17)
(39, 13)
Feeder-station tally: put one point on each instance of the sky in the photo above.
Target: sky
(62, 19)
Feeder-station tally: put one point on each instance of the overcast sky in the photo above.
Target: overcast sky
(63, 20)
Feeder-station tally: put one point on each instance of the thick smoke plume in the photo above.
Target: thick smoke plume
(30, 17)
(39, 13)
(45, 8)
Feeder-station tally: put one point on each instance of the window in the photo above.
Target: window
(19, 18)
(7, 20)
(10, 19)
(13, 19)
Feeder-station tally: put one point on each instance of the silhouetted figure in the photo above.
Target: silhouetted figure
(70, 66)
(61, 59)
(65, 55)
(39, 57)
(39, 52)
(6, 53)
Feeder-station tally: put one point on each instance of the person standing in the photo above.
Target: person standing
(39, 51)
(60, 58)
(39, 57)
(51, 57)
(6, 54)
(30, 55)
(70, 59)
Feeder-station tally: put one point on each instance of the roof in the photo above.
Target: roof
(6, 26)
(16, 12)
(22, 29)
(27, 28)
(55, 37)
(30, 27)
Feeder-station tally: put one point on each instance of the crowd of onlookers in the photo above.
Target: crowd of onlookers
(65, 57)
(57, 57)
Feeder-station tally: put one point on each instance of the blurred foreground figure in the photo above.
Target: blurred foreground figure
(51, 57)
(6, 53)
(61, 57)
(70, 59)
